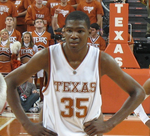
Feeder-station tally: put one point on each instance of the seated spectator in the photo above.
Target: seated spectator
(28, 95)
(34, 11)
(28, 49)
(22, 6)
(95, 39)
(5, 53)
(60, 12)
(7, 9)
(94, 11)
(14, 34)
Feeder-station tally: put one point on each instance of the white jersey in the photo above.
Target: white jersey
(72, 96)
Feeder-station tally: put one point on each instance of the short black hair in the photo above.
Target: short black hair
(95, 25)
(79, 15)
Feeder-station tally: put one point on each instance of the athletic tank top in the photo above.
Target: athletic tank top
(72, 96)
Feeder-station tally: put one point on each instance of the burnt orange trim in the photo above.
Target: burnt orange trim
(99, 69)
(49, 69)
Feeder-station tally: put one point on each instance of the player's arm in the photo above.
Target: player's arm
(136, 93)
(127, 83)
(18, 76)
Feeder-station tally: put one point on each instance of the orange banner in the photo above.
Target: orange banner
(118, 37)
(118, 28)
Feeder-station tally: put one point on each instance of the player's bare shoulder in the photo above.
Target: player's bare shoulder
(108, 64)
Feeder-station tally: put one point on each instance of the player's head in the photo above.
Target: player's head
(9, 21)
(78, 15)
(77, 31)
(38, 23)
(27, 39)
(94, 29)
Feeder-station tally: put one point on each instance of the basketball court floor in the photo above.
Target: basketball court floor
(131, 126)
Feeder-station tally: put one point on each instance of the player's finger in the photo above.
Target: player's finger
(50, 132)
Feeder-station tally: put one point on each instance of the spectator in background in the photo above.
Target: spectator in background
(42, 39)
(60, 12)
(50, 4)
(28, 49)
(22, 6)
(95, 39)
(94, 10)
(130, 42)
(7, 8)
(5, 53)
(14, 35)
(28, 96)
(37, 10)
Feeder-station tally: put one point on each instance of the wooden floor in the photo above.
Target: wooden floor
(132, 126)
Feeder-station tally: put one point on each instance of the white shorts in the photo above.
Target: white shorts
(40, 73)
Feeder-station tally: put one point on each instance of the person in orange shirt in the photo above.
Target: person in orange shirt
(60, 12)
(22, 6)
(42, 39)
(50, 4)
(7, 9)
(94, 10)
(14, 35)
(130, 42)
(95, 39)
(37, 10)
(5, 52)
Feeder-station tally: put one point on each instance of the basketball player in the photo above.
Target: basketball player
(72, 98)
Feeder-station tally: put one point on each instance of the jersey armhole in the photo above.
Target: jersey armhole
(49, 69)
(99, 70)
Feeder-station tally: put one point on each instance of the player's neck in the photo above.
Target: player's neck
(75, 58)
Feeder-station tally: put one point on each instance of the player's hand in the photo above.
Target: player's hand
(37, 129)
(148, 124)
(96, 126)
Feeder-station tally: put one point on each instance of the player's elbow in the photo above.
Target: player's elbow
(139, 94)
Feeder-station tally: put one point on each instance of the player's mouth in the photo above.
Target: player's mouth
(74, 44)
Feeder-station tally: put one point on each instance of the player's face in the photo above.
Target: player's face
(93, 31)
(26, 38)
(76, 34)
(39, 23)
(4, 36)
(9, 21)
